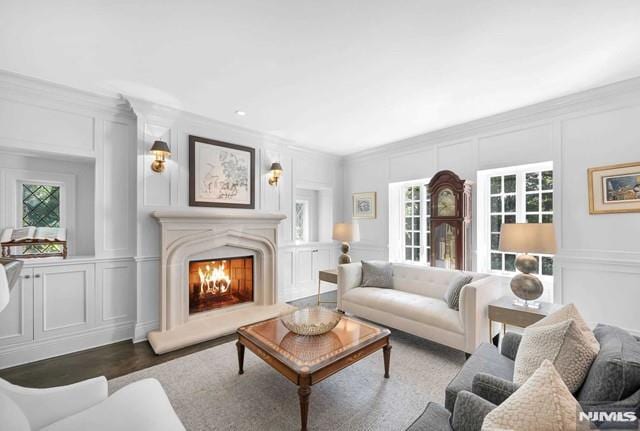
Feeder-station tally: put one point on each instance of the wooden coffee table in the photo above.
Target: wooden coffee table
(309, 360)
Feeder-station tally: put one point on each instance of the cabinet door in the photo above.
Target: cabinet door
(115, 292)
(304, 267)
(16, 320)
(64, 299)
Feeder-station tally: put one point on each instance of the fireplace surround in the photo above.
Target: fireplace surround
(212, 235)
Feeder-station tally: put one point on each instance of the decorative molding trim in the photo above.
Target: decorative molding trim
(143, 328)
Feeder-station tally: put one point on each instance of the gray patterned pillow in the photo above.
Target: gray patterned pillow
(377, 274)
(452, 295)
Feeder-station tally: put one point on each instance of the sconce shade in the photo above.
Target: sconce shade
(528, 238)
(275, 166)
(346, 232)
(160, 147)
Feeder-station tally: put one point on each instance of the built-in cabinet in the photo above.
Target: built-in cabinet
(54, 304)
(303, 262)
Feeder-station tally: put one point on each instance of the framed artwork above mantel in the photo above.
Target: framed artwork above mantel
(221, 174)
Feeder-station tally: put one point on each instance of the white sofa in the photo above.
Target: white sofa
(416, 305)
(84, 406)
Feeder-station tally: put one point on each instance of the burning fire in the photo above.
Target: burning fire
(214, 280)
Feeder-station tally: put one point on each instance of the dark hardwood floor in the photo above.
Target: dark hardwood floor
(111, 361)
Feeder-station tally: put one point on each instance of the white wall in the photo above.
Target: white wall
(598, 263)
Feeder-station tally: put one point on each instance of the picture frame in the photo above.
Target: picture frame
(614, 188)
(221, 174)
(364, 205)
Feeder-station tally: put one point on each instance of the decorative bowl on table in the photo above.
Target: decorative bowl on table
(311, 321)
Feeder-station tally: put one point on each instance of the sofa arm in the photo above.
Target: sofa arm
(470, 411)
(492, 388)
(44, 406)
(349, 276)
(510, 344)
(475, 298)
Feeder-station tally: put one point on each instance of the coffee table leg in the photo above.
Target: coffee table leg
(240, 348)
(303, 394)
(386, 351)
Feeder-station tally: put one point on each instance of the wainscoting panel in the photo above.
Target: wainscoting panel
(116, 296)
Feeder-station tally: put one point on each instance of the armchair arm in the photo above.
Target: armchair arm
(45, 406)
(474, 303)
(469, 412)
(349, 276)
(492, 388)
(510, 344)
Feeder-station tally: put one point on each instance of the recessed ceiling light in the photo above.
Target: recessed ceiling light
(241, 113)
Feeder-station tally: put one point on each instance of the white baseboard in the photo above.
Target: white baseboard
(143, 328)
(43, 349)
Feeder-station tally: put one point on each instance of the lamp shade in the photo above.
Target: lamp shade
(528, 238)
(160, 147)
(346, 232)
(276, 166)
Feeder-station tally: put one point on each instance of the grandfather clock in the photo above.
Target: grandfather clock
(450, 221)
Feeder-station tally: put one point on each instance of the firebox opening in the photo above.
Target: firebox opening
(218, 283)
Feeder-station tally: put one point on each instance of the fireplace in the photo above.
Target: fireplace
(219, 283)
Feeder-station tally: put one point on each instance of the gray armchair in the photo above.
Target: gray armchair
(486, 380)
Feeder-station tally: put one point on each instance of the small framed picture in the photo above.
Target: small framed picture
(221, 174)
(364, 205)
(614, 188)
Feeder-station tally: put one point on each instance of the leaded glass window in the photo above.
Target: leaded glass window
(302, 221)
(41, 208)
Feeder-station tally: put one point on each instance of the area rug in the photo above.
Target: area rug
(208, 394)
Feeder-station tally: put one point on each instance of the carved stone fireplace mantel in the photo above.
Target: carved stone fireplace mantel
(197, 233)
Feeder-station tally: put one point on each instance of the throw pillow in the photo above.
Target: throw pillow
(542, 403)
(563, 344)
(567, 312)
(615, 373)
(377, 274)
(452, 295)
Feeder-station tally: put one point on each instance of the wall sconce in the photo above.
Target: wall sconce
(162, 152)
(275, 173)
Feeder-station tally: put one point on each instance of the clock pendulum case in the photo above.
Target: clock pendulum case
(450, 221)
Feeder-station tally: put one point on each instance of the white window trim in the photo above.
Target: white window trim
(13, 181)
(396, 222)
(483, 216)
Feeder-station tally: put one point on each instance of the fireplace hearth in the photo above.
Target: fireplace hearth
(219, 283)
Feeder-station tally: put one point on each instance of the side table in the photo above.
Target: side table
(506, 312)
(328, 276)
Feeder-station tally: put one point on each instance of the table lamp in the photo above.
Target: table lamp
(527, 238)
(345, 232)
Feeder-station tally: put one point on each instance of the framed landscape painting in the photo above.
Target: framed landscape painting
(221, 174)
(614, 188)
(364, 205)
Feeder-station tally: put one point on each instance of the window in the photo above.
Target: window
(302, 221)
(518, 195)
(40, 207)
(415, 214)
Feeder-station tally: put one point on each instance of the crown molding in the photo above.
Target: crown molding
(37, 91)
(619, 93)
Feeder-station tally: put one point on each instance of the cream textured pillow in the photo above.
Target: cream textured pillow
(563, 344)
(567, 312)
(542, 403)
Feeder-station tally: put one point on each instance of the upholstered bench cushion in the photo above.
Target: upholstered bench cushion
(430, 311)
(615, 373)
(486, 359)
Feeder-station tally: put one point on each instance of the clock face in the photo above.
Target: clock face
(446, 203)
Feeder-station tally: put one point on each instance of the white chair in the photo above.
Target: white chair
(84, 406)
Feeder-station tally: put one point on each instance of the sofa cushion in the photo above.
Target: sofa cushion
(452, 296)
(615, 373)
(434, 418)
(430, 311)
(485, 359)
(542, 403)
(567, 312)
(377, 274)
(563, 344)
(12, 417)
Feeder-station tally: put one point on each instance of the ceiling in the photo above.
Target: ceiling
(334, 75)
